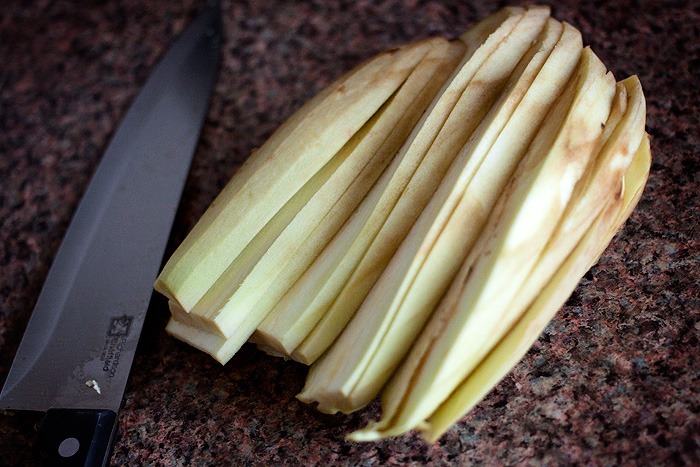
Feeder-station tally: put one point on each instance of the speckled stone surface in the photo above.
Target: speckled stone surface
(615, 378)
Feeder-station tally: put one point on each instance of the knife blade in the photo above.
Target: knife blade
(76, 353)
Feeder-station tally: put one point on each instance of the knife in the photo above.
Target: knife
(74, 359)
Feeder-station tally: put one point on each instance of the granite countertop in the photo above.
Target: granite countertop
(615, 378)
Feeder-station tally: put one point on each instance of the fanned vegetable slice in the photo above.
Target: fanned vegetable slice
(517, 231)
(520, 338)
(305, 304)
(474, 103)
(249, 288)
(310, 201)
(404, 296)
(275, 172)
(621, 138)
(359, 362)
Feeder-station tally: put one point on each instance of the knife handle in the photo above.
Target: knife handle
(78, 437)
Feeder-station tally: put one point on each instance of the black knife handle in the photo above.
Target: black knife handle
(78, 438)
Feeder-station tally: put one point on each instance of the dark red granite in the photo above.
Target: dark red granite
(614, 380)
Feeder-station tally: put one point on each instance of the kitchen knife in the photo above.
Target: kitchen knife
(74, 359)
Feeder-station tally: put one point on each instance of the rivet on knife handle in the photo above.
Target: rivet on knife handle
(77, 438)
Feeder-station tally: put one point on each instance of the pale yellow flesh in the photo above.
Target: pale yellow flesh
(279, 169)
(320, 219)
(246, 292)
(216, 345)
(272, 235)
(174, 272)
(622, 135)
(602, 178)
(408, 106)
(207, 342)
(552, 297)
(480, 32)
(355, 368)
(299, 324)
(229, 300)
(472, 106)
(311, 296)
(417, 276)
(517, 231)
(293, 318)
